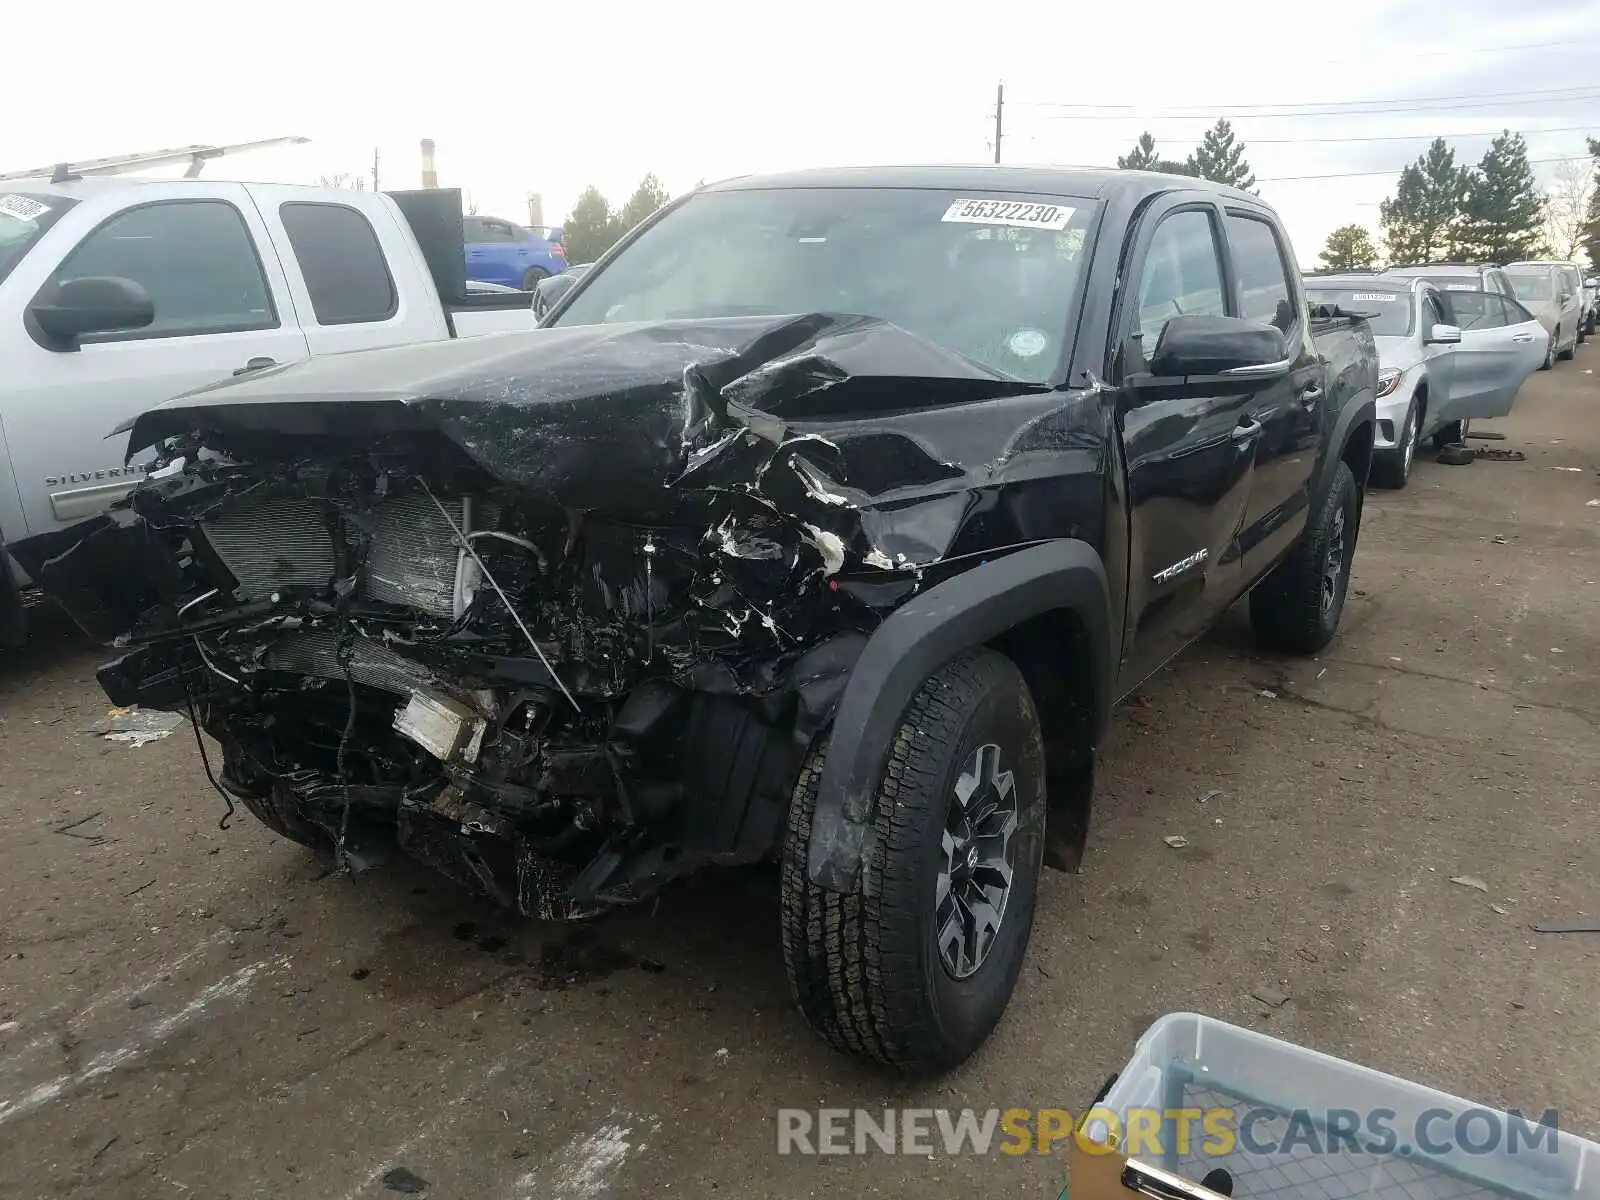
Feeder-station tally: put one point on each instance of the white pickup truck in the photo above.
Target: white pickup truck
(118, 294)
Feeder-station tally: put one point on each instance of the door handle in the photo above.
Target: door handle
(1247, 428)
(1522, 337)
(256, 364)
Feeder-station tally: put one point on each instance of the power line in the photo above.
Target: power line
(1409, 54)
(1561, 95)
(1405, 137)
(1534, 162)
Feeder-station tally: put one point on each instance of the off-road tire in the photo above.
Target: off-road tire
(1392, 468)
(1287, 613)
(531, 278)
(864, 966)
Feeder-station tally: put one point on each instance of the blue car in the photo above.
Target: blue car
(501, 252)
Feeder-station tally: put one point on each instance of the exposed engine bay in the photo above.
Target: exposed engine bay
(559, 613)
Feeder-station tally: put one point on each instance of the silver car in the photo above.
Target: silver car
(1457, 276)
(1444, 359)
(1553, 292)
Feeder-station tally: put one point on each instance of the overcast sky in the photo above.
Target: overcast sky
(536, 98)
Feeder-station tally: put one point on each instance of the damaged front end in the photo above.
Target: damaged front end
(559, 614)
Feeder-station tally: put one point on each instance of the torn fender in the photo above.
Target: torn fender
(911, 644)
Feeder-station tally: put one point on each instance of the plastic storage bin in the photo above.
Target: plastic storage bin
(1291, 1125)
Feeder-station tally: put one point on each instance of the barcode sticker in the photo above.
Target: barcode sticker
(24, 208)
(1380, 297)
(1021, 214)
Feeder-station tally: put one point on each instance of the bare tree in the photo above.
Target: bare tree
(354, 183)
(1566, 210)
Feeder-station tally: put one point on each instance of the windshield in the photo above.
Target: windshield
(24, 217)
(994, 278)
(1532, 287)
(1388, 313)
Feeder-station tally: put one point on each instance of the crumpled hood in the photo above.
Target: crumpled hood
(565, 383)
(868, 435)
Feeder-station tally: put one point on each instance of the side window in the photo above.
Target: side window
(1474, 310)
(342, 262)
(1515, 313)
(471, 230)
(1432, 314)
(194, 257)
(1182, 275)
(1265, 293)
(497, 231)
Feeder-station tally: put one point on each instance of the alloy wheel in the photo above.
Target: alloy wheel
(978, 857)
(1333, 564)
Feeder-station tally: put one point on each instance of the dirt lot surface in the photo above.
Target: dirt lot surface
(191, 1012)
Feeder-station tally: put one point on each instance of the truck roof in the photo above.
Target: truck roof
(1100, 183)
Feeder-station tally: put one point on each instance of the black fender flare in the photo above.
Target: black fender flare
(967, 610)
(1363, 406)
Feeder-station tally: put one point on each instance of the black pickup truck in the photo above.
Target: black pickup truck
(822, 522)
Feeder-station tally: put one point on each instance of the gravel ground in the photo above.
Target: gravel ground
(191, 1012)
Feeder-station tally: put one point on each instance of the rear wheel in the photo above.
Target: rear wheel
(1392, 468)
(1550, 353)
(914, 967)
(1297, 607)
(1566, 355)
(532, 278)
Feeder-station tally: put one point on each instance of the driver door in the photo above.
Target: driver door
(1191, 459)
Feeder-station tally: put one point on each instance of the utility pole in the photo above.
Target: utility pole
(374, 168)
(999, 113)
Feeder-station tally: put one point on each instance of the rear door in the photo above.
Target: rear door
(1289, 411)
(354, 270)
(221, 304)
(1501, 345)
(1189, 459)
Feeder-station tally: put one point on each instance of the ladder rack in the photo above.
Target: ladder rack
(196, 156)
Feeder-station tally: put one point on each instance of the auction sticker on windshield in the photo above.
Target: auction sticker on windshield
(24, 208)
(1380, 297)
(1019, 213)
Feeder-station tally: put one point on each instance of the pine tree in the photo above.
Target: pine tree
(1349, 248)
(1422, 221)
(646, 198)
(1503, 216)
(1143, 157)
(1591, 232)
(1220, 158)
(591, 228)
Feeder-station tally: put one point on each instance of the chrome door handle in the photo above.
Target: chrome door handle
(1247, 428)
(256, 364)
(1258, 370)
(1522, 337)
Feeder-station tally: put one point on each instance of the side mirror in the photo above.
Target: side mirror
(1228, 348)
(548, 292)
(1445, 335)
(66, 311)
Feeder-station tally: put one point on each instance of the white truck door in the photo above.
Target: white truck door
(356, 273)
(221, 304)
